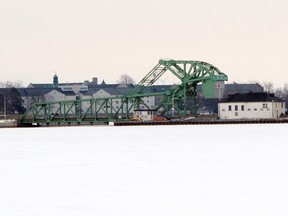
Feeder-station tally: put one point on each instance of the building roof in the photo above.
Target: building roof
(5, 91)
(66, 93)
(40, 92)
(160, 88)
(41, 85)
(253, 97)
(244, 87)
(120, 89)
(50, 86)
(33, 92)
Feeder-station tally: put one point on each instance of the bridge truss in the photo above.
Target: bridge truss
(190, 74)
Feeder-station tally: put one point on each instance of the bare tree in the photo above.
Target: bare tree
(279, 92)
(11, 84)
(254, 82)
(285, 89)
(282, 93)
(285, 94)
(268, 87)
(13, 101)
(125, 79)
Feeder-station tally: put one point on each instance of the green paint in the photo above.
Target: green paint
(190, 73)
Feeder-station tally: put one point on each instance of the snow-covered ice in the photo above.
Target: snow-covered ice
(199, 170)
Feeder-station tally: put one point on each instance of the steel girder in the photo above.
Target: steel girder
(86, 110)
(190, 73)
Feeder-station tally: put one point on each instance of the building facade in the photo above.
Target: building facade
(251, 106)
(57, 91)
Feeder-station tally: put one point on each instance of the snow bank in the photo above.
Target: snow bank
(159, 170)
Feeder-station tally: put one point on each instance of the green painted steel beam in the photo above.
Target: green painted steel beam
(190, 73)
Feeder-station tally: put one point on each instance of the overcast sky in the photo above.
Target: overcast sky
(81, 39)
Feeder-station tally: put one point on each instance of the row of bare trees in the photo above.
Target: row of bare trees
(125, 79)
(13, 102)
(281, 92)
(10, 84)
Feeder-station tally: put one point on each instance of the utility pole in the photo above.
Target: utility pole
(217, 85)
(272, 109)
(4, 104)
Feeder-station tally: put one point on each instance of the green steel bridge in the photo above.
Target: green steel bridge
(190, 74)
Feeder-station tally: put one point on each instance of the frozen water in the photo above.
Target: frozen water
(226, 170)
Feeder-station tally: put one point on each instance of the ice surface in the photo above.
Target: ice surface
(208, 170)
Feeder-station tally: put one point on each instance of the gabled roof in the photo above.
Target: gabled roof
(40, 92)
(253, 97)
(160, 88)
(5, 91)
(33, 92)
(43, 86)
(50, 86)
(124, 91)
(66, 93)
(110, 91)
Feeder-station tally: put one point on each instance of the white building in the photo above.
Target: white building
(251, 106)
(143, 115)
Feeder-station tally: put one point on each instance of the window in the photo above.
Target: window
(223, 110)
(67, 89)
(265, 106)
(230, 107)
(236, 113)
(255, 109)
(236, 107)
(242, 107)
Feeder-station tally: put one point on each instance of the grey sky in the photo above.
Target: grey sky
(81, 39)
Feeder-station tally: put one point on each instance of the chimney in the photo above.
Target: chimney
(55, 81)
(95, 80)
